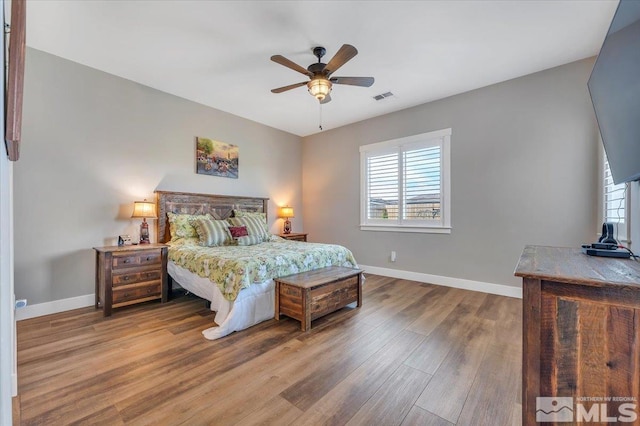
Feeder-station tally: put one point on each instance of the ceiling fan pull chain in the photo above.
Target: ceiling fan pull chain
(320, 118)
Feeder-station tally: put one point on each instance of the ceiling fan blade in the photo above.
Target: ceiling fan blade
(290, 64)
(289, 87)
(353, 81)
(326, 99)
(343, 55)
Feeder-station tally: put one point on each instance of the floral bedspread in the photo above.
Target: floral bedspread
(233, 268)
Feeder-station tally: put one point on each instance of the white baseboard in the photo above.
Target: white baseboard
(499, 289)
(40, 309)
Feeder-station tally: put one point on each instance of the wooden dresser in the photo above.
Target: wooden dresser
(130, 274)
(581, 330)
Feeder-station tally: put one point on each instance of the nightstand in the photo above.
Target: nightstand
(126, 275)
(294, 236)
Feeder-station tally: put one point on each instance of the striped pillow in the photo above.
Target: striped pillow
(249, 240)
(211, 232)
(255, 226)
(241, 213)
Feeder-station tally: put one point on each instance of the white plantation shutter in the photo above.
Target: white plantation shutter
(615, 204)
(405, 184)
(422, 183)
(382, 191)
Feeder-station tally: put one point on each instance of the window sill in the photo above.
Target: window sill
(414, 229)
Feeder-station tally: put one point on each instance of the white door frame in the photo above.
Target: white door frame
(8, 371)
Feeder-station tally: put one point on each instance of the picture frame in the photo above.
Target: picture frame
(215, 158)
(15, 79)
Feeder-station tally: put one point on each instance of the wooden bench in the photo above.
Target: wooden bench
(310, 295)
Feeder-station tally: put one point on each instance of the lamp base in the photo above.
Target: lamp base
(144, 232)
(287, 227)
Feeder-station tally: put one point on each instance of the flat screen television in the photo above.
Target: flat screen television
(614, 86)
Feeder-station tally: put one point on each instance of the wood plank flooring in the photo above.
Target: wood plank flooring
(413, 354)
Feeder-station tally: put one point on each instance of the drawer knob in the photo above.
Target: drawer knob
(148, 257)
(126, 295)
(126, 278)
(149, 290)
(149, 274)
(127, 261)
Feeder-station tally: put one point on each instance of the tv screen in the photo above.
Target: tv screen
(615, 92)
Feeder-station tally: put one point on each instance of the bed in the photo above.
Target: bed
(237, 280)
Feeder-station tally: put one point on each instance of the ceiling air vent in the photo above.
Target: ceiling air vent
(383, 96)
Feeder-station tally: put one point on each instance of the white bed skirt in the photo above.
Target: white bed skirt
(253, 305)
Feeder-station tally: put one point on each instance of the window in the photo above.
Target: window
(614, 203)
(405, 184)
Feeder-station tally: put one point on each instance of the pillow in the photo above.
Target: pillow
(241, 213)
(250, 240)
(185, 241)
(255, 226)
(211, 232)
(179, 225)
(238, 231)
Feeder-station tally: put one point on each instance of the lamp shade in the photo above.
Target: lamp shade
(286, 212)
(144, 209)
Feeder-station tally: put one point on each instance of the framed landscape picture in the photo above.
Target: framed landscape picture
(215, 158)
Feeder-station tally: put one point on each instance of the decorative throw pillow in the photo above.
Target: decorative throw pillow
(262, 217)
(238, 231)
(211, 232)
(254, 225)
(241, 213)
(250, 240)
(179, 225)
(185, 241)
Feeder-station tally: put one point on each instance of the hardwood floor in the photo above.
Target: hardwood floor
(414, 354)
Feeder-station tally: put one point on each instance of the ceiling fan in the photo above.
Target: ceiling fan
(320, 73)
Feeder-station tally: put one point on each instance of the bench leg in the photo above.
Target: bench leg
(277, 310)
(305, 324)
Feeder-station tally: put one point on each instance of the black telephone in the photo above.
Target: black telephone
(607, 246)
(608, 234)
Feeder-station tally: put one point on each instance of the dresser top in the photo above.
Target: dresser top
(129, 248)
(570, 265)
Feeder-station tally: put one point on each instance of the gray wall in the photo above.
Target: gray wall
(93, 143)
(523, 171)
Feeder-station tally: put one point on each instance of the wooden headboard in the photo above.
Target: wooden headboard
(218, 206)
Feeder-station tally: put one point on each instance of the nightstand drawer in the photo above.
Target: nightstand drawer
(135, 292)
(136, 277)
(127, 260)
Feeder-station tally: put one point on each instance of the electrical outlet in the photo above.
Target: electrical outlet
(393, 255)
(21, 303)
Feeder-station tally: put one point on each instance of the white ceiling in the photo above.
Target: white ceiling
(217, 52)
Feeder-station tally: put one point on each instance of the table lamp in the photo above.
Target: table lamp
(144, 209)
(286, 213)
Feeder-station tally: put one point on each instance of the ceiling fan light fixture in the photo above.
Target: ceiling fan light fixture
(319, 88)
(321, 74)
